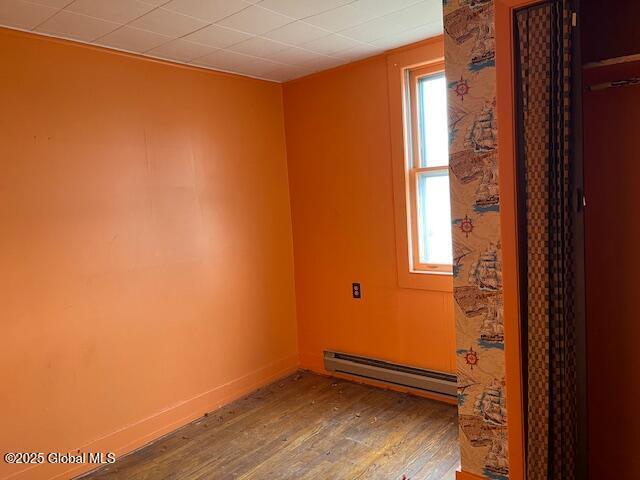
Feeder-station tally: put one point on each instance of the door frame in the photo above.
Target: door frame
(508, 180)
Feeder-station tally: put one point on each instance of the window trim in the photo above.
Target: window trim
(412, 164)
(428, 55)
(414, 262)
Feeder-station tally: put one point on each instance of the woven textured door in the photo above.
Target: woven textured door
(543, 75)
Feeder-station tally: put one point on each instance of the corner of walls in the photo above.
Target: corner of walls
(283, 123)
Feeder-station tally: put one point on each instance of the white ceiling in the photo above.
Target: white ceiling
(272, 39)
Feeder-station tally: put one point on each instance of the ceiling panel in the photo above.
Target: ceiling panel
(73, 25)
(118, 11)
(383, 7)
(272, 39)
(133, 39)
(414, 15)
(225, 60)
(208, 10)
(217, 36)
(296, 33)
(299, 9)
(295, 56)
(181, 50)
(168, 23)
(23, 15)
(258, 47)
(52, 3)
(362, 50)
(255, 20)
(331, 44)
(374, 29)
(340, 18)
(409, 36)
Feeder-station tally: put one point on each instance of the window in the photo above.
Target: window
(419, 144)
(427, 171)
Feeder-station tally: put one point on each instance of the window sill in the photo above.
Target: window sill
(434, 281)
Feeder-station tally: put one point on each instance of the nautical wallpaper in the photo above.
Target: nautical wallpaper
(470, 69)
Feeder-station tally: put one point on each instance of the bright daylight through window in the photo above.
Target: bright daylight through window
(428, 172)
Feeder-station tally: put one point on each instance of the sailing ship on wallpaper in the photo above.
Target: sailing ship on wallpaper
(476, 431)
(497, 460)
(489, 419)
(482, 136)
(469, 32)
(491, 407)
(484, 50)
(480, 434)
(474, 21)
(486, 272)
(471, 300)
(492, 329)
(475, 3)
(488, 192)
(466, 166)
(491, 404)
(464, 23)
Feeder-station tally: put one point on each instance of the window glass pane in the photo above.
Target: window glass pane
(434, 218)
(432, 120)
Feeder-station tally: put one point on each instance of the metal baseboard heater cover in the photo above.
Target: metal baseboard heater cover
(426, 380)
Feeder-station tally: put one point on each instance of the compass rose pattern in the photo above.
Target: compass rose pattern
(461, 88)
(473, 148)
(471, 357)
(466, 226)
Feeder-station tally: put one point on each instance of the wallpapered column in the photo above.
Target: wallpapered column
(470, 69)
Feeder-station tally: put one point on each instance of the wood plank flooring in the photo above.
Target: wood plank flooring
(306, 427)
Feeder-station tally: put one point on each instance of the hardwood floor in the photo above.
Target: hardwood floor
(306, 427)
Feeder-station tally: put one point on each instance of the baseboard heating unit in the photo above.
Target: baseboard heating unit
(426, 380)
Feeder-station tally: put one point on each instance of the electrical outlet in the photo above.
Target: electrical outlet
(356, 291)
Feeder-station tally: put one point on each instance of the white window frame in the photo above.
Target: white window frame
(414, 171)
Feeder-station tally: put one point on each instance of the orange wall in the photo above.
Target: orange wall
(340, 175)
(145, 251)
(506, 111)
